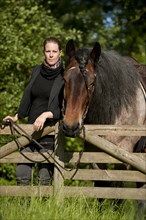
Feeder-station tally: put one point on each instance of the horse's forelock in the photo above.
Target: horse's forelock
(82, 57)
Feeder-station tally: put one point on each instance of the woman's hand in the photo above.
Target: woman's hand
(11, 118)
(39, 122)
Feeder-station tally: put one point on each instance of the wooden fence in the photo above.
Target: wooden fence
(61, 159)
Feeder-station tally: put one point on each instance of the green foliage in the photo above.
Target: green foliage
(118, 25)
(73, 144)
(7, 172)
(24, 25)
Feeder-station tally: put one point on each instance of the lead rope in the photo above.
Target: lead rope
(13, 128)
(80, 153)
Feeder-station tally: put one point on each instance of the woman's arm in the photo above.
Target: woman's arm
(39, 122)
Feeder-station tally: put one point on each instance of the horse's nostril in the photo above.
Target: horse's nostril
(64, 127)
(75, 127)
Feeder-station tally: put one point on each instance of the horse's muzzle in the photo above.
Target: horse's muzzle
(70, 131)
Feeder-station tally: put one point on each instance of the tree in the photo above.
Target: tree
(118, 25)
(24, 25)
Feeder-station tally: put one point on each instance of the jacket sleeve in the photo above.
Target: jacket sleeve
(25, 102)
(56, 105)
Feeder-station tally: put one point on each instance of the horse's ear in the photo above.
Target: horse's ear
(95, 53)
(70, 48)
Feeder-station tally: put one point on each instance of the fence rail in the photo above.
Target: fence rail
(67, 159)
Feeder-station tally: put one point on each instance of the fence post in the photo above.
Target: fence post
(59, 162)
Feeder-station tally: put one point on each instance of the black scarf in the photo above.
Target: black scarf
(51, 73)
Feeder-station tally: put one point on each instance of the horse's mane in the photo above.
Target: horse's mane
(116, 85)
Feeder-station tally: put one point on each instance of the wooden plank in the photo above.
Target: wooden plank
(27, 127)
(105, 192)
(122, 130)
(105, 175)
(26, 191)
(28, 157)
(95, 157)
(116, 152)
(12, 146)
(72, 191)
(69, 157)
(126, 130)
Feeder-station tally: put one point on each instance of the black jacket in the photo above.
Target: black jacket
(55, 100)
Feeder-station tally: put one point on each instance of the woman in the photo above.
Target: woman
(41, 103)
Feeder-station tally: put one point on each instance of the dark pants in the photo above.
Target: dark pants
(45, 170)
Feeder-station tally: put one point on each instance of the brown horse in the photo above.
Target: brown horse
(102, 87)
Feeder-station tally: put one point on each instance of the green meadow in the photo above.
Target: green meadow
(79, 208)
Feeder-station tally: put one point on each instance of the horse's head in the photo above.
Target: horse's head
(79, 86)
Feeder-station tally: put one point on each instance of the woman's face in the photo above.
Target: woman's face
(52, 53)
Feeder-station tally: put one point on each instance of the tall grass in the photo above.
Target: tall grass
(79, 208)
